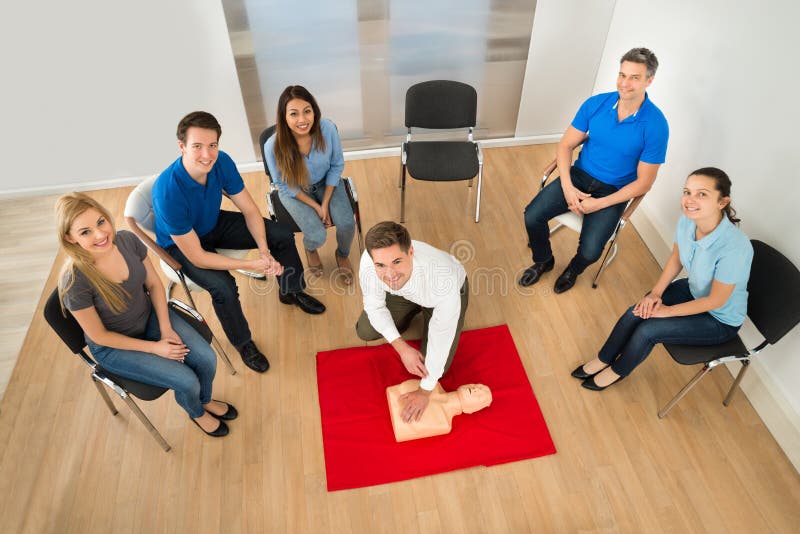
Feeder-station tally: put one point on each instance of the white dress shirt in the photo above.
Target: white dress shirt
(435, 282)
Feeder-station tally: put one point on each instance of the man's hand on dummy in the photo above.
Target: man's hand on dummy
(414, 404)
(413, 360)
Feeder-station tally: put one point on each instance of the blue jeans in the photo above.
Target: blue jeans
(231, 232)
(191, 381)
(314, 232)
(632, 339)
(597, 226)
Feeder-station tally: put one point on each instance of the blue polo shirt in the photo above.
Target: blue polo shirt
(181, 204)
(325, 164)
(614, 149)
(724, 255)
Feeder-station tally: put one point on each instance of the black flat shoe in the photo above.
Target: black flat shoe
(535, 271)
(229, 415)
(590, 384)
(253, 358)
(304, 301)
(566, 280)
(580, 374)
(222, 429)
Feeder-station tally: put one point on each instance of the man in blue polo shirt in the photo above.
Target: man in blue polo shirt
(190, 226)
(624, 138)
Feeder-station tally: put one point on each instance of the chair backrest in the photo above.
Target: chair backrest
(262, 140)
(67, 327)
(773, 302)
(140, 205)
(441, 104)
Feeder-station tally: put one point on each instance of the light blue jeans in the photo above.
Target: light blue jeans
(314, 232)
(191, 381)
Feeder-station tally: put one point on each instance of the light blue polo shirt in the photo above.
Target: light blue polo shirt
(325, 164)
(724, 255)
(614, 149)
(181, 204)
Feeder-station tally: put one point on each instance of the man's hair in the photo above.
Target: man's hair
(385, 234)
(643, 56)
(198, 119)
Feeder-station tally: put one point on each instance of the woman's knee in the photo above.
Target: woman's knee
(314, 237)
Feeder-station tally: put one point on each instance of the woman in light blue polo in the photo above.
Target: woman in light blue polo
(706, 308)
(305, 160)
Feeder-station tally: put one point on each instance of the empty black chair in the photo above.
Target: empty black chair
(773, 305)
(278, 213)
(441, 105)
(72, 335)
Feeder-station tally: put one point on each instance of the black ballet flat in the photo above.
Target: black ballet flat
(580, 374)
(229, 415)
(589, 383)
(222, 429)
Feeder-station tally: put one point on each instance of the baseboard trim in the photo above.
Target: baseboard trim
(255, 166)
(758, 386)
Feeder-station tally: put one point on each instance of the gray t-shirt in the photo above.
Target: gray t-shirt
(131, 321)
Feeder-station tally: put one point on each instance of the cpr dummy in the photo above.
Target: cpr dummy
(437, 419)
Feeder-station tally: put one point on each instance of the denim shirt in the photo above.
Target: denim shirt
(724, 255)
(325, 164)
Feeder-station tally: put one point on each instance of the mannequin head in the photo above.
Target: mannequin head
(474, 397)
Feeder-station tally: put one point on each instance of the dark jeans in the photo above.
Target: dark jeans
(191, 381)
(632, 339)
(231, 232)
(597, 226)
(403, 311)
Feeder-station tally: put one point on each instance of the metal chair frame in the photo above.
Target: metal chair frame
(404, 161)
(782, 300)
(612, 246)
(71, 333)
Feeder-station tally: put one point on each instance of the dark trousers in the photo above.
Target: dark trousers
(597, 227)
(231, 232)
(632, 338)
(403, 311)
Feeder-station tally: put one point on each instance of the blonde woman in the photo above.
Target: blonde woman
(112, 290)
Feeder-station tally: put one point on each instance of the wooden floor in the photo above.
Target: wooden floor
(67, 465)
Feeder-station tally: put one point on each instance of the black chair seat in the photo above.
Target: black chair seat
(281, 215)
(694, 354)
(140, 390)
(441, 161)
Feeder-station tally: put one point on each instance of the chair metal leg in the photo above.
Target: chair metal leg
(663, 411)
(146, 422)
(606, 261)
(736, 382)
(403, 195)
(170, 285)
(478, 200)
(252, 274)
(104, 394)
(222, 354)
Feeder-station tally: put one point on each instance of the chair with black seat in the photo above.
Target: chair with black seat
(276, 209)
(574, 222)
(773, 306)
(141, 218)
(72, 335)
(441, 105)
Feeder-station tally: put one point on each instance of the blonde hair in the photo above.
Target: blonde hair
(68, 208)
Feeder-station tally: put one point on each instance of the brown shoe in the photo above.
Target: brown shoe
(345, 269)
(314, 263)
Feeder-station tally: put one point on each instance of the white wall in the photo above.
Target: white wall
(565, 50)
(728, 84)
(93, 90)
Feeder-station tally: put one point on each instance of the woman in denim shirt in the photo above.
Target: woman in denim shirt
(305, 159)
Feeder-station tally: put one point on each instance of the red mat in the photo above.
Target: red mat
(360, 449)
